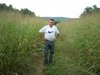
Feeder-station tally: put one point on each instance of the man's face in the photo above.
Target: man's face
(51, 23)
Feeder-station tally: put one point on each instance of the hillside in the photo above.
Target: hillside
(60, 19)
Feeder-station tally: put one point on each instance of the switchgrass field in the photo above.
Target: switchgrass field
(21, 51)
(77, 50)
(78, 47)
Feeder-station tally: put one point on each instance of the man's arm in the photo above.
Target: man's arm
(41, 31)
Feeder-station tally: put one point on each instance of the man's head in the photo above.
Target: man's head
(51, 22)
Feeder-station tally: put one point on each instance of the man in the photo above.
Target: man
(49, 33)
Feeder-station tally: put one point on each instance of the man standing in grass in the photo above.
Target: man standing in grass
(49, 33)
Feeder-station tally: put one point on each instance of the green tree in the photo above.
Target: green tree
(24, 11)
(10, 7)
(27, 11)
(3, 6)
(90, 10)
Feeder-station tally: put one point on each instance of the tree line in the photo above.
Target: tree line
(90, 10)
(3, 6)
(87, 10)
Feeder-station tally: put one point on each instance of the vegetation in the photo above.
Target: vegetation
(90, 10)
(21, 50)
(77, 49)
(24, 11)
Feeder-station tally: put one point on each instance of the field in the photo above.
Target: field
(77, 49)
(20, 46)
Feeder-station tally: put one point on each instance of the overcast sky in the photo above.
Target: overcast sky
(51, 8)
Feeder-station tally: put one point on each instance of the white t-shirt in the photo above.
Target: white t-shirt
(49, 32)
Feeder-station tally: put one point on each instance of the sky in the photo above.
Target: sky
(53, 8)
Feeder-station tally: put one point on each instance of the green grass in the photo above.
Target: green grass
(77, 49)
(20, 47)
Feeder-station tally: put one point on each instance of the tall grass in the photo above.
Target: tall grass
(20, 48)
(78, 48)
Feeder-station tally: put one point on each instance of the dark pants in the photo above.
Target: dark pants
(49, 51)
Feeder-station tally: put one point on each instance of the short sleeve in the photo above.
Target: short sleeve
(42, 30)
